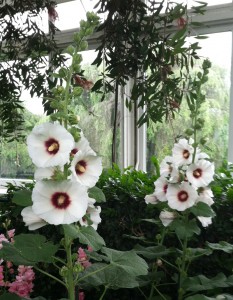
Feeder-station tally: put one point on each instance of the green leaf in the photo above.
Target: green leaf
(185, 230)
(202, 283)
(223, 246)
(10, 296)
(97, 194)
(89, 236)
(121, 272)
(199, 297)
(28, 249)
(152, 252)
(71, 231)
(202, 209)
(22, 198)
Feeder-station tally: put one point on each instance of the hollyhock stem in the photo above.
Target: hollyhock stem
(70, 277)
(183, 270)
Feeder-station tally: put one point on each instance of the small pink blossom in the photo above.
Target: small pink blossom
(82, 258)
(81, 296)
(11, 233)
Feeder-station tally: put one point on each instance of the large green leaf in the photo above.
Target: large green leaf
(28, 249)
(202, 283)
(97, 194)
(202, 209)
(121, 272)
(22, 198)
(199, 297)
(152, 252)
(89, 236)
(223, 246)
(185, 230)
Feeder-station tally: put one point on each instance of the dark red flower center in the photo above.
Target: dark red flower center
(186, 154)
(165, 188)
(74, 151)
(80, 167)
(60, 200)
(197, 173)
(183, 196)
(52, 146)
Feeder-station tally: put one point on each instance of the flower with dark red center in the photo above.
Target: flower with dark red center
(82, 145)
(161, 185)
(86, 168)
(50, 145)
(201, 173)
(182, 152)
(181, 197)
(59, 202)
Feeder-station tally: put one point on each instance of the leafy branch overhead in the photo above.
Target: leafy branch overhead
(147, 42)
(23, 55)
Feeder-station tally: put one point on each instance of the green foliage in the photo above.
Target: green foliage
(86, 235)
(28, 249)
(22, 57)
(121, 272)
(129, 50)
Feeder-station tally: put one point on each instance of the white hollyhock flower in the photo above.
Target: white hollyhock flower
(44, 173)
(182, 152)
(166, 166)
(152, 199)
(181, 197)
(205, 221)
(94, 214)
(161, 185)
(166, 217)
(86, 168)
(206, 191)
(83, 145)
(60, 202)
(201, 173)
(50, 145)
(31, 219)
(205, 199)
(169, 169)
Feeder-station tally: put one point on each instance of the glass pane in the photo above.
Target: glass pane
(96, 116)
(161, 136)
(71, 13)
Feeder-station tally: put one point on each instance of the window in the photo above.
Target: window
(215, 111)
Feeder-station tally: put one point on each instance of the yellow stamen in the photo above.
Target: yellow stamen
(60, 200)
(80, 168)
(53, 147)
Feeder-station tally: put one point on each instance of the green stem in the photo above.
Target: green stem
(183, 270)
(160, 294)
(104, 292)
(49, 275)
(70, 277)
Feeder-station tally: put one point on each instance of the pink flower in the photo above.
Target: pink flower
(9, 264)
(82, 258)
(11, 233)
(2, 283)
(22, 286)
(81, 296)
(2, 239)
(53, 15)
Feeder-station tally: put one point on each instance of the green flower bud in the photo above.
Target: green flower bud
(189, 131)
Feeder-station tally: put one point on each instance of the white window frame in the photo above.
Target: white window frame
(218, 18)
